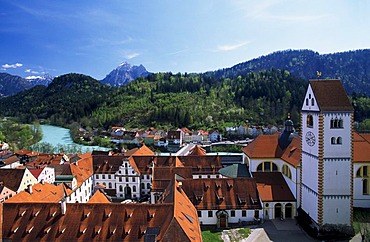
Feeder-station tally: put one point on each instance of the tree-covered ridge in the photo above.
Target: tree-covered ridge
(68, 98)
(199, 101)
(162, 100)
(352, 67)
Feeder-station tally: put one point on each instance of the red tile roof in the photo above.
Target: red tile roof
(264, 146)
(99, 197)
(361, 148)
(144, 151)
(272, 187)
(215, 194)
(267, 146)
(197, 150)
(97, 222)
(41, 193)
(209, 164)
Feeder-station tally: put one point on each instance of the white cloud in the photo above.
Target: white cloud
(132, 55)
(7, 66)
(231, 47)
(33, 77)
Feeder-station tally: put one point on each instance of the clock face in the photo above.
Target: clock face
(310, 138)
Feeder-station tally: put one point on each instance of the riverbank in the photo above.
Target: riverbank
(60, 137)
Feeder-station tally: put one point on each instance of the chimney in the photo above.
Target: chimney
(29, 189)
(63, 206)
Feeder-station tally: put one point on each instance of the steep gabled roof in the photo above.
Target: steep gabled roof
(12, 178)
(272, 187)
(141, 164)
(198, 151)
(99, 197)
(330, 95)
(144, 151)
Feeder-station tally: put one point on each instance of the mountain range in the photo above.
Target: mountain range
(121, 76)
(256, 91)
(352, 67)
(10, 84)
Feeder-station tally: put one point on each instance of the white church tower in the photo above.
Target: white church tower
(326, 180)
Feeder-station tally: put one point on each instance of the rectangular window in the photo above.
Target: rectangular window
(256, 213)
(210, 214)
(232, 213)
(199, 214)
(103, 176)
(244, 213)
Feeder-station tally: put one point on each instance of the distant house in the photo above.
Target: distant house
(45, 174)
(11, 162)
(5, 193)
(117, 131)
(215, 136)
(174, 140)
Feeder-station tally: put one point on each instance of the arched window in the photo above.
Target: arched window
(133, 179)
(142, 186)
(120, 188)
(336, 123)
(110, 185)
(125, 164)
(148, 185)
(362, 172)
(286, 171)
(339, 140)
(267, 166)
(306, 101)
(134, 188)
(309, 121)
(333, 140)
(312, 102)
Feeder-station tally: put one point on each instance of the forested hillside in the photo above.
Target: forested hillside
(198, 101)
(352, 67)
(162, 100)
(68, 98)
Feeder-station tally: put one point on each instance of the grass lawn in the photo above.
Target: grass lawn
(210, 236)
(234, 235)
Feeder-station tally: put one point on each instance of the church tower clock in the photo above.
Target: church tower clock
(326, 172)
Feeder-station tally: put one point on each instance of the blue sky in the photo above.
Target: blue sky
(94, 37)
